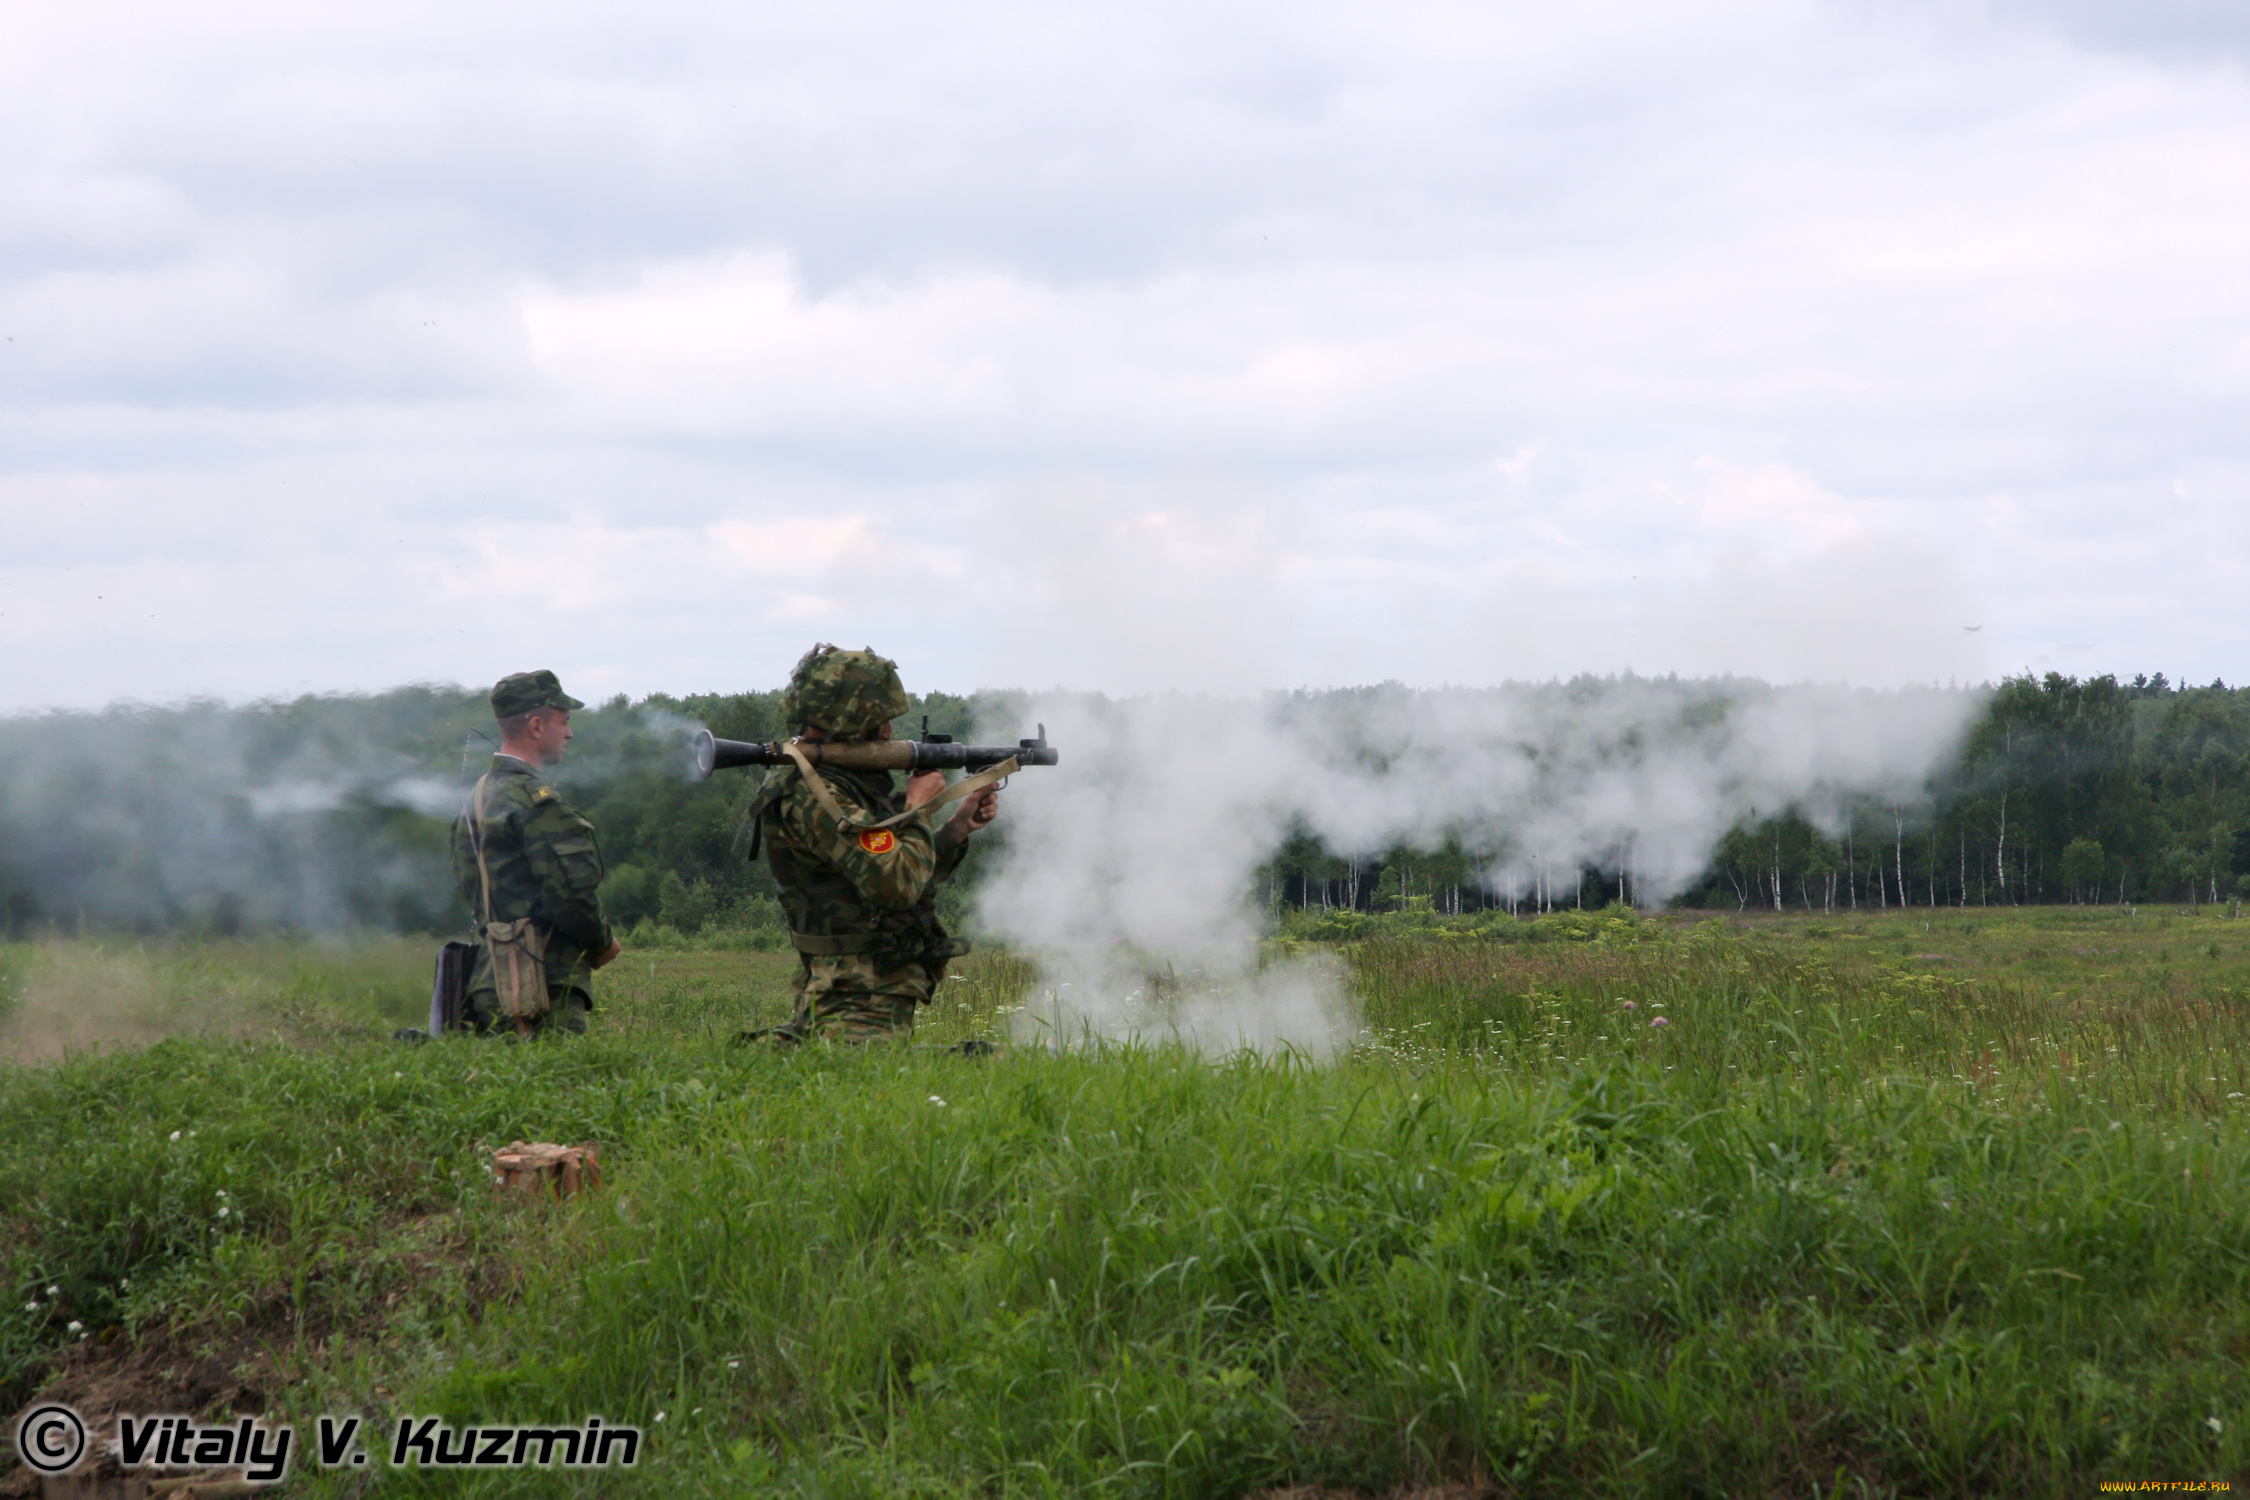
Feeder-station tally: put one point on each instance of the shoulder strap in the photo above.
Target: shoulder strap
(752, 831)
(828, 803)
(476, 839)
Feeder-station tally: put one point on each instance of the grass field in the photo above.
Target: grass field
(1916, 1204)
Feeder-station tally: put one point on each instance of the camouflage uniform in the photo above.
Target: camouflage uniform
(545, 864)
(861, 903)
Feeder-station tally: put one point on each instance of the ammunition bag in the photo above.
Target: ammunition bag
(519, 968)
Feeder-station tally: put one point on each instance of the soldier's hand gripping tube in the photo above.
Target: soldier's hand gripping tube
(934, 754)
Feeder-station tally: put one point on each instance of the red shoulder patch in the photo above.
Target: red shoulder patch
(878, 841)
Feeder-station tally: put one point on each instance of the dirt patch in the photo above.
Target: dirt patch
(148, 1375)
(154, 1373)
(215, 1377)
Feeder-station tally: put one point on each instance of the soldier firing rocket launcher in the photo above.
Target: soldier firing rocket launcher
(932, 752)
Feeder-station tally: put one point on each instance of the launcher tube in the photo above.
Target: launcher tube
(714, 754)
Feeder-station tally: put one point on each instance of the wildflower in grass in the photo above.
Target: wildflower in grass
(1629, 1005)
(75, 1325)
(175, 1135)
(54, 1291)
(660, 1416)
(940, 1103)
(2211, 1422)
(32, 1305)
(734, 1364)
(224, 1212)
(1659, 1021)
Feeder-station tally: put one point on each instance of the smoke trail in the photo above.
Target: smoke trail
(1138, 856)
(316, 815)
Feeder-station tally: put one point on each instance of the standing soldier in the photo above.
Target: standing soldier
(861, 900)
(528, 866)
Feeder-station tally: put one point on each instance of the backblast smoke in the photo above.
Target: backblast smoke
(1131, 870)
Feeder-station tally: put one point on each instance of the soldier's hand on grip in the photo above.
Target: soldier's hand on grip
(976, 813)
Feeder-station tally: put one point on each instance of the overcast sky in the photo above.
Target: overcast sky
(1124, 347)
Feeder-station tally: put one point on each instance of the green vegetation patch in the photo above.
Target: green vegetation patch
(1846, 1219)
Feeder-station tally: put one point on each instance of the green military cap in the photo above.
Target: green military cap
(521, 692)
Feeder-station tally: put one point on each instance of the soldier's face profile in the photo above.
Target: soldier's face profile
(549, 730)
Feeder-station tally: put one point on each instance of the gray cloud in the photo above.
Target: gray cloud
(2207, 32)
(342, 344)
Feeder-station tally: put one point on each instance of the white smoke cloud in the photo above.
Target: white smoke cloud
(1137, 854)
(322, 814)
(423, 794)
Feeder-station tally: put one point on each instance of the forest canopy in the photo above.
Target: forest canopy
(331, 812)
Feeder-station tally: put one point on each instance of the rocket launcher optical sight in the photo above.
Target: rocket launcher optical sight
(933, 752)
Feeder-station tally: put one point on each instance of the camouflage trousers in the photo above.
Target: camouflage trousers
(480, 1014)
(849, 1000)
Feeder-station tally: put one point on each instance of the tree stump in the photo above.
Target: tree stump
(542, 1169)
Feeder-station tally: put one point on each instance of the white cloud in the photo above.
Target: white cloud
(790, 547)
(1127, 348)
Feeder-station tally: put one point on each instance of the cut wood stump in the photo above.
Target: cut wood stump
(543, 1169)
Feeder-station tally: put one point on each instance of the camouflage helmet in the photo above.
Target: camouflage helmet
(848, 695)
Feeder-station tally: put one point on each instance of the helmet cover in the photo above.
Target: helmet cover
(847, 695)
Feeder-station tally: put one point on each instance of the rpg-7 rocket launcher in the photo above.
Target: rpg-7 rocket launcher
(932, 752)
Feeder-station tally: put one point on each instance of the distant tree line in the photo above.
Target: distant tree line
(2065, 790)
(2093, 791)
(332, 812)
(314, 814)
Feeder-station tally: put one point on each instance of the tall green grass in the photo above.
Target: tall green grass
(1716, 1005)
(1133, 1272)
(1850, 1221)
